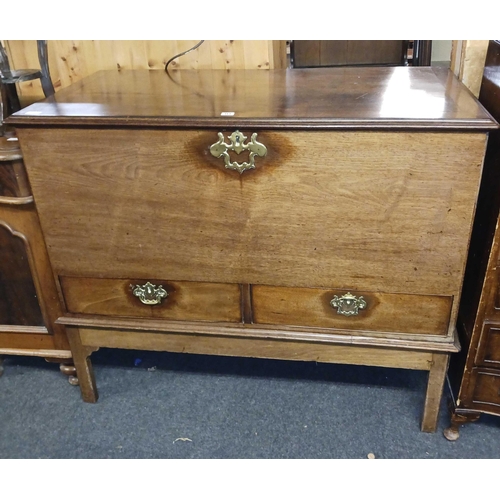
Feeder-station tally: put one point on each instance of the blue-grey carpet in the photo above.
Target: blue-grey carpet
(162, 405)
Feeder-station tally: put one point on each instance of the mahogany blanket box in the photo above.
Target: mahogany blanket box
(302, 214)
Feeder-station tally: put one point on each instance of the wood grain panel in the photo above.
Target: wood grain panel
(71, 60)
(333, 52)
(354, 209)
(427, 343)
(467, 62)
(18, 297)
(314, 53)
(343, 98)
(306, 53)
(375, 52)
(415, 314)
(257, 348)
(488, 350)
(29, 342)
(13, 179)
(435, 386)
(23, 223)
(486, 389)
(42, 353)
(185, 300)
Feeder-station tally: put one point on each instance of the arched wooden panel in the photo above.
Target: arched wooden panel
(18, 298)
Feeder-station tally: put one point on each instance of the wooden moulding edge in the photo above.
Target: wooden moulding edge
(249, 332)
(43, 353)
(480, 125)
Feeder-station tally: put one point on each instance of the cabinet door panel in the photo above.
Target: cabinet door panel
(18, 299)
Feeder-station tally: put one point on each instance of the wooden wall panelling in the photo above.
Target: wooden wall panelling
(23, 54)
(307, 53)
(225, 53)
(314, 53)
(333, 52)
(279, 53)
(71, 60)
(467, 62)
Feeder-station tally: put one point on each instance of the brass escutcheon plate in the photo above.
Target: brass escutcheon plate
(149, 294)
(237, 144)
(348, 304)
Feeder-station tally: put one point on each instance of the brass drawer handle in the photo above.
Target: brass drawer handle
(221, 148)
(149, 294)
(348, 304)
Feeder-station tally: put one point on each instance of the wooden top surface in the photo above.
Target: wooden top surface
(369, 97)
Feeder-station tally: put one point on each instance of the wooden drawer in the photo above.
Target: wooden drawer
(381, 312)
(488, 352)
(495, 300)
(189, 301)
(487, 389)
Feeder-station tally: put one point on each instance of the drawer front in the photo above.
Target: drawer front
(488, 352)
(188, 301)
(340, 309)
(487, 389)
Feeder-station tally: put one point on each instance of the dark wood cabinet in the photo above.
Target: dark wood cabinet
(475, 372)
(29, 303)
(323, 53)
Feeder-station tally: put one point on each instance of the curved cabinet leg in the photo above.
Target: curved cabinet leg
(437, 375)
(458, 419)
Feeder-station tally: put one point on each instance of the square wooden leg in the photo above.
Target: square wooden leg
(83, 365)
(437, 376)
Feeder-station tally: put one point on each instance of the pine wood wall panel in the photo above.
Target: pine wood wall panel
(467, 62)
(71, 60)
